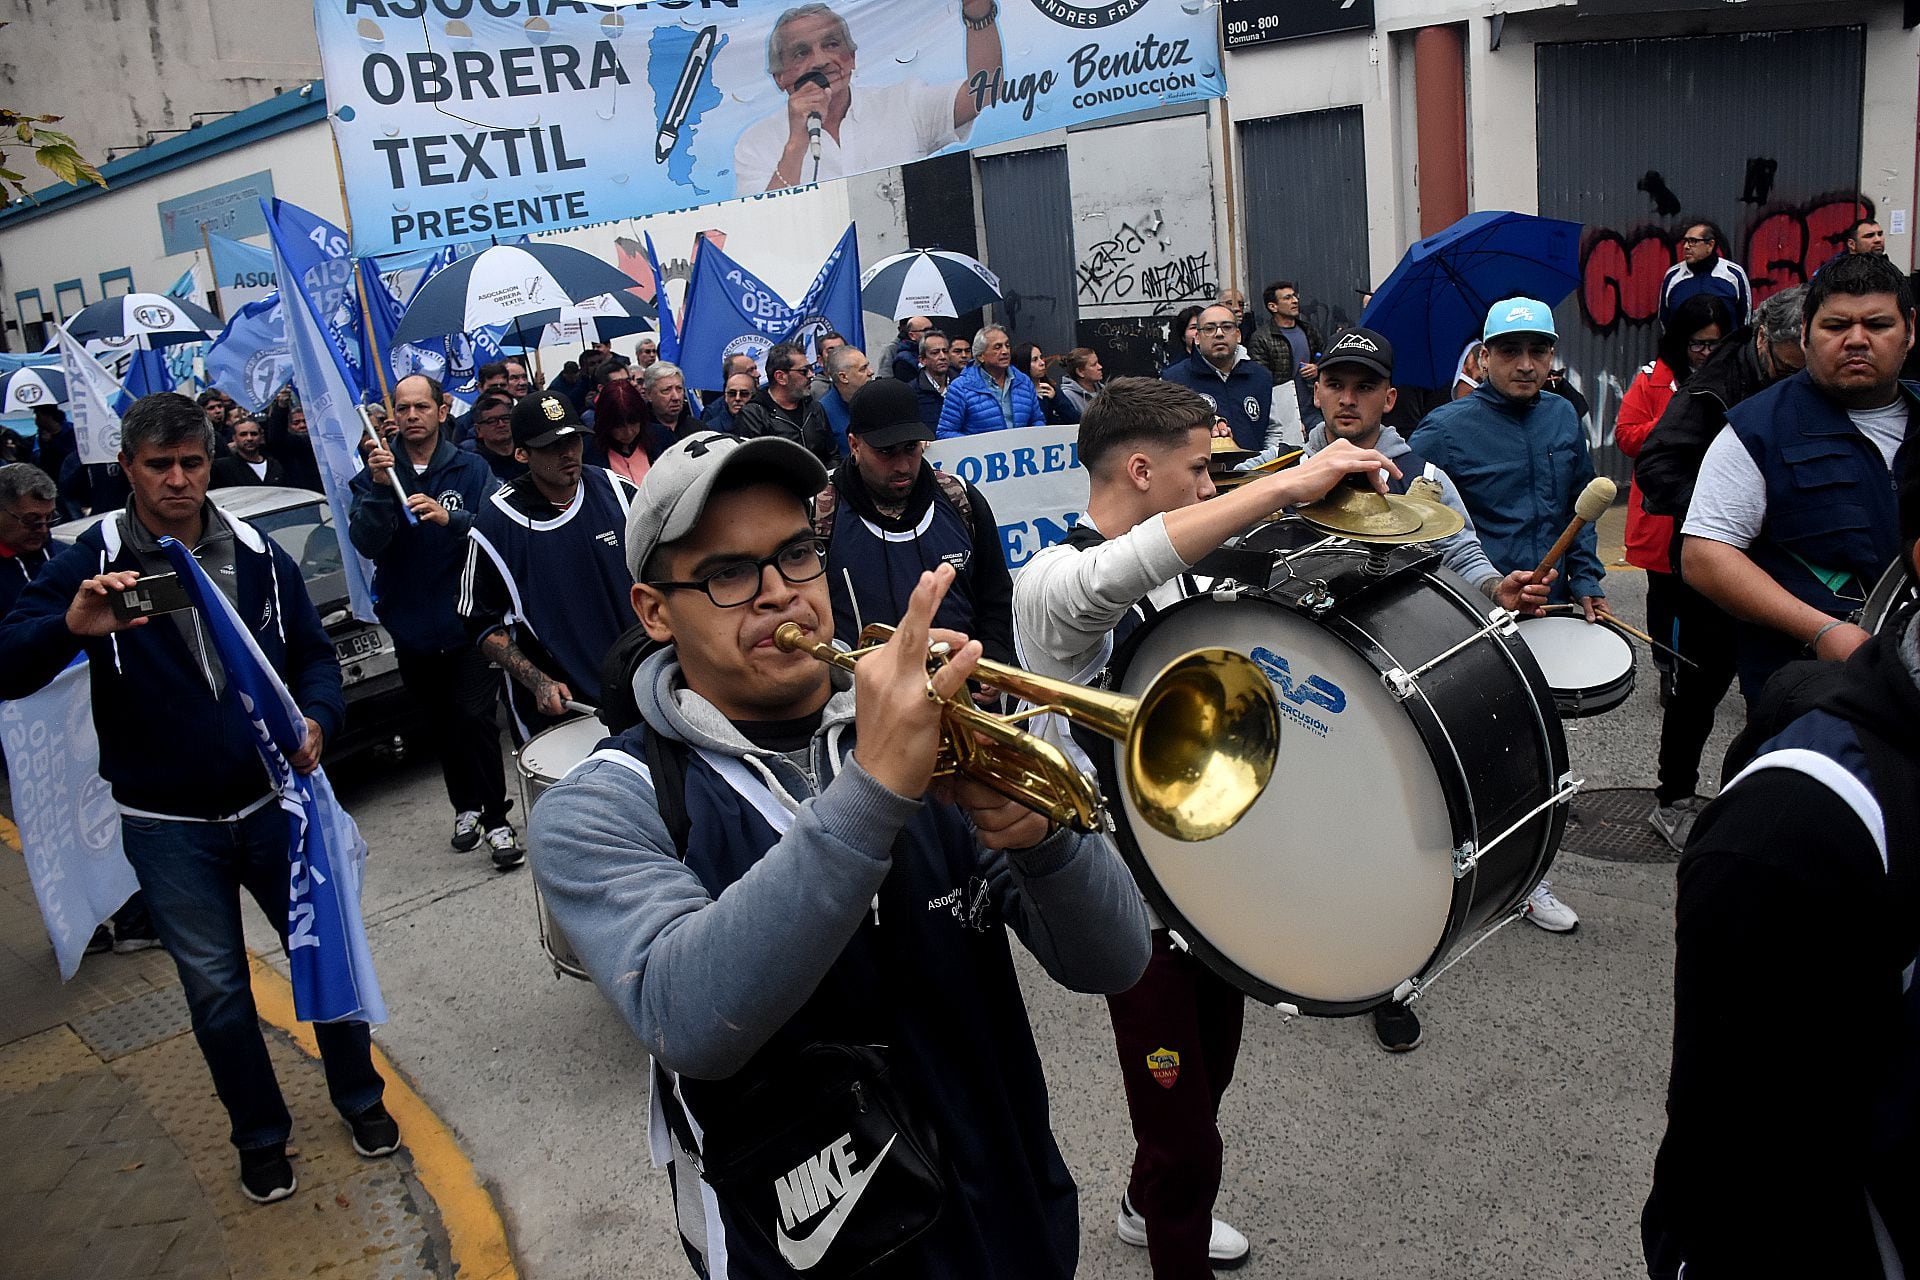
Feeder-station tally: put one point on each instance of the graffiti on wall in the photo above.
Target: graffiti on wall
(1138, 264)
(1620, 274)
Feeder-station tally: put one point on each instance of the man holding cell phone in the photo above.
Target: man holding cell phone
(198, 825)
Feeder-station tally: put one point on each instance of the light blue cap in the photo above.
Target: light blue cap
(1519, 315)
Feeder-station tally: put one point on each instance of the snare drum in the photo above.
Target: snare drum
(1588, 665)
(1419, 791)
(542, 762)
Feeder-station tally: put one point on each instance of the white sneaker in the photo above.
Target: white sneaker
(1674, 822)
(504, 843)
(1548, 911)
(1226, 1248)
(466, 830)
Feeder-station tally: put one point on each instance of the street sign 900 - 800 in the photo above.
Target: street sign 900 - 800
(1249, 22)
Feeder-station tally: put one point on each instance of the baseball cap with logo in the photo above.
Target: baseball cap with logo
(675, 490)
(1519, 315)
(1361, 347)
(543, 419)
(886, 412)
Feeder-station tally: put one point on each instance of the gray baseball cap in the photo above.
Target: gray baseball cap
(674, 492)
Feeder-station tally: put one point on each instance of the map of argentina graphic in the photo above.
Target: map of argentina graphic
(668, 51)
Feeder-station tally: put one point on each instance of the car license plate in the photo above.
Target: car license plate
(357, 645)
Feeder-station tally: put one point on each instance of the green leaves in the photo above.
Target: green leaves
(52, 150)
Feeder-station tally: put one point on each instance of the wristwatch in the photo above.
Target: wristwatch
(982, 22)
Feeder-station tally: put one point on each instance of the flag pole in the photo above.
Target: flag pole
(360, 284)
(214, 272)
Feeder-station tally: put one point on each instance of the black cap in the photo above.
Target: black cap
(1363, 347)
(543, 419)
(886, 412)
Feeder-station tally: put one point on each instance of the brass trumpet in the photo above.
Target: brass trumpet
(1199, 743)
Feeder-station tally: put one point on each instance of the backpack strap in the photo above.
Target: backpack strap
(955, 491)
(667, 762)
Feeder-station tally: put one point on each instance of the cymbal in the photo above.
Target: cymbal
(1389, 519)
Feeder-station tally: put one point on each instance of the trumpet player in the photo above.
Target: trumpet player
(1151, 515)
(761, 879)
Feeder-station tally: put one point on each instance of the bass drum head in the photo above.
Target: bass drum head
(1336, 886)
(1895, 588)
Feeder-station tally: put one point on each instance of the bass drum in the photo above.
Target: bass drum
(1419, 792)
(545, 760)
(1895, 588)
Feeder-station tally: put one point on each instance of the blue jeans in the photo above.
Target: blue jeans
(191, 873)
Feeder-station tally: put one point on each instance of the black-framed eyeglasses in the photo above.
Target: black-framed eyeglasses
(1701, 346)
(1219, 328)
(738, 581)
(30, 522)
(1696, 239)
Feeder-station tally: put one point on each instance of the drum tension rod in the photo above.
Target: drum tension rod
(1402, 683)
(1466, 858)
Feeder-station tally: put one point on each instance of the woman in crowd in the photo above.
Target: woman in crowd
(1030, 360)
(1084, 379)
(626, 439)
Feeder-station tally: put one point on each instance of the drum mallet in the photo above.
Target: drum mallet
(1588, 507)
(581, 708)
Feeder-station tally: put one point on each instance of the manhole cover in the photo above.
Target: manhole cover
(1612, 825)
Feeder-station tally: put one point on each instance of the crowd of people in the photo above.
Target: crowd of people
(759, 870)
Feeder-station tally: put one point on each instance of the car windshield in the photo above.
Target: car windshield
(306, 533)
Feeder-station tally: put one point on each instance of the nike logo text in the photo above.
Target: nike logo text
(825, 1179)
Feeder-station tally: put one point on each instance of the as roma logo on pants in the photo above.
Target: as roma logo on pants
(1165, 1066)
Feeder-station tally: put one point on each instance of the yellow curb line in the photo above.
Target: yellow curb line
(474, 1228)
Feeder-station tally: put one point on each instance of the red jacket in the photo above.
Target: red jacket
(1649, 538)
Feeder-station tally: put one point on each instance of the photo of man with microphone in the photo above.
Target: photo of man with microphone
(832, 127)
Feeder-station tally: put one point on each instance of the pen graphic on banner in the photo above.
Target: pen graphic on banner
(682, 102)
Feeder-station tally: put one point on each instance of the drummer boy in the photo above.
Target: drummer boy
(1146, 445)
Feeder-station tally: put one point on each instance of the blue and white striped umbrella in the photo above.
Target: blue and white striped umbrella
(25, 390)
(159, 320)
(523, 287)
(928, 282)
(609, 316)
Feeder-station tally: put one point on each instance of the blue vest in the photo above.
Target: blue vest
(872, 572)
(1832, 504)
(1244, 397)
(933, 981)
(568, 575)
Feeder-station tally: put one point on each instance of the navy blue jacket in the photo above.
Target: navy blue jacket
(167, 743)
(1832, 503)
(1519, 466)
(505, 467)
(416, 568)
(972, 407)
(1244, 397)
(16, 571)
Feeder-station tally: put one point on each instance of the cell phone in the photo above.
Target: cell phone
(157, 594)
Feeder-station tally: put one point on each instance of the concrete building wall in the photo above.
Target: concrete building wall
(117, 68)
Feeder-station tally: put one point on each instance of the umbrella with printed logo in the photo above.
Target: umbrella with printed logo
(24, 390)
(155, 319)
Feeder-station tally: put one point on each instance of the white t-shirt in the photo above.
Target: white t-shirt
(258, 468)
(897, 124)
(1730, 497)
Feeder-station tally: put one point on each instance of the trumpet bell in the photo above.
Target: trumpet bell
(1202, 744)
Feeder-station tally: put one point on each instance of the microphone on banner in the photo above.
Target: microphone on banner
(814, 121)
(1588, 507)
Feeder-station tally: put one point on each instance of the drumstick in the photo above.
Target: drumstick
(1631, 630)
(1588, 507)
(581, 708)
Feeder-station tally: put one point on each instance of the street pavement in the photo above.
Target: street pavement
(1517, 1140)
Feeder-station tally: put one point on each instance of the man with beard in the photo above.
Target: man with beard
(889, 516)
(247, 461)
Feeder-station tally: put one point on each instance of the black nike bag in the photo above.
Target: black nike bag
(825, 1162)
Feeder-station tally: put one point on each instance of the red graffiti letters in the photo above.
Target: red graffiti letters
(1785, 249)
(1621, 281)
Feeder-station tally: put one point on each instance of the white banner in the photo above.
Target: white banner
(69, 823)
(90, 391)
(1032, 478)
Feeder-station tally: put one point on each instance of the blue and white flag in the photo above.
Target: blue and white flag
(239, 266)
(94, 401)
(332, 968)
(250, 360)
(323, 340)
(832, 301)
(181, 357)
(69, 824)
(668, 343)
(729, 311)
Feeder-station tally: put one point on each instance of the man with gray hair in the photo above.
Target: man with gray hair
(826, 130)
(27, 497)
(665, 387)
(200, 826)
(990, 394)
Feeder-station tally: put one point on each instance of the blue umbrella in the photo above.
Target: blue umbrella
(1436, 300)
(928, 282)
(611, 315)
(523, 287)
(24, 390)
